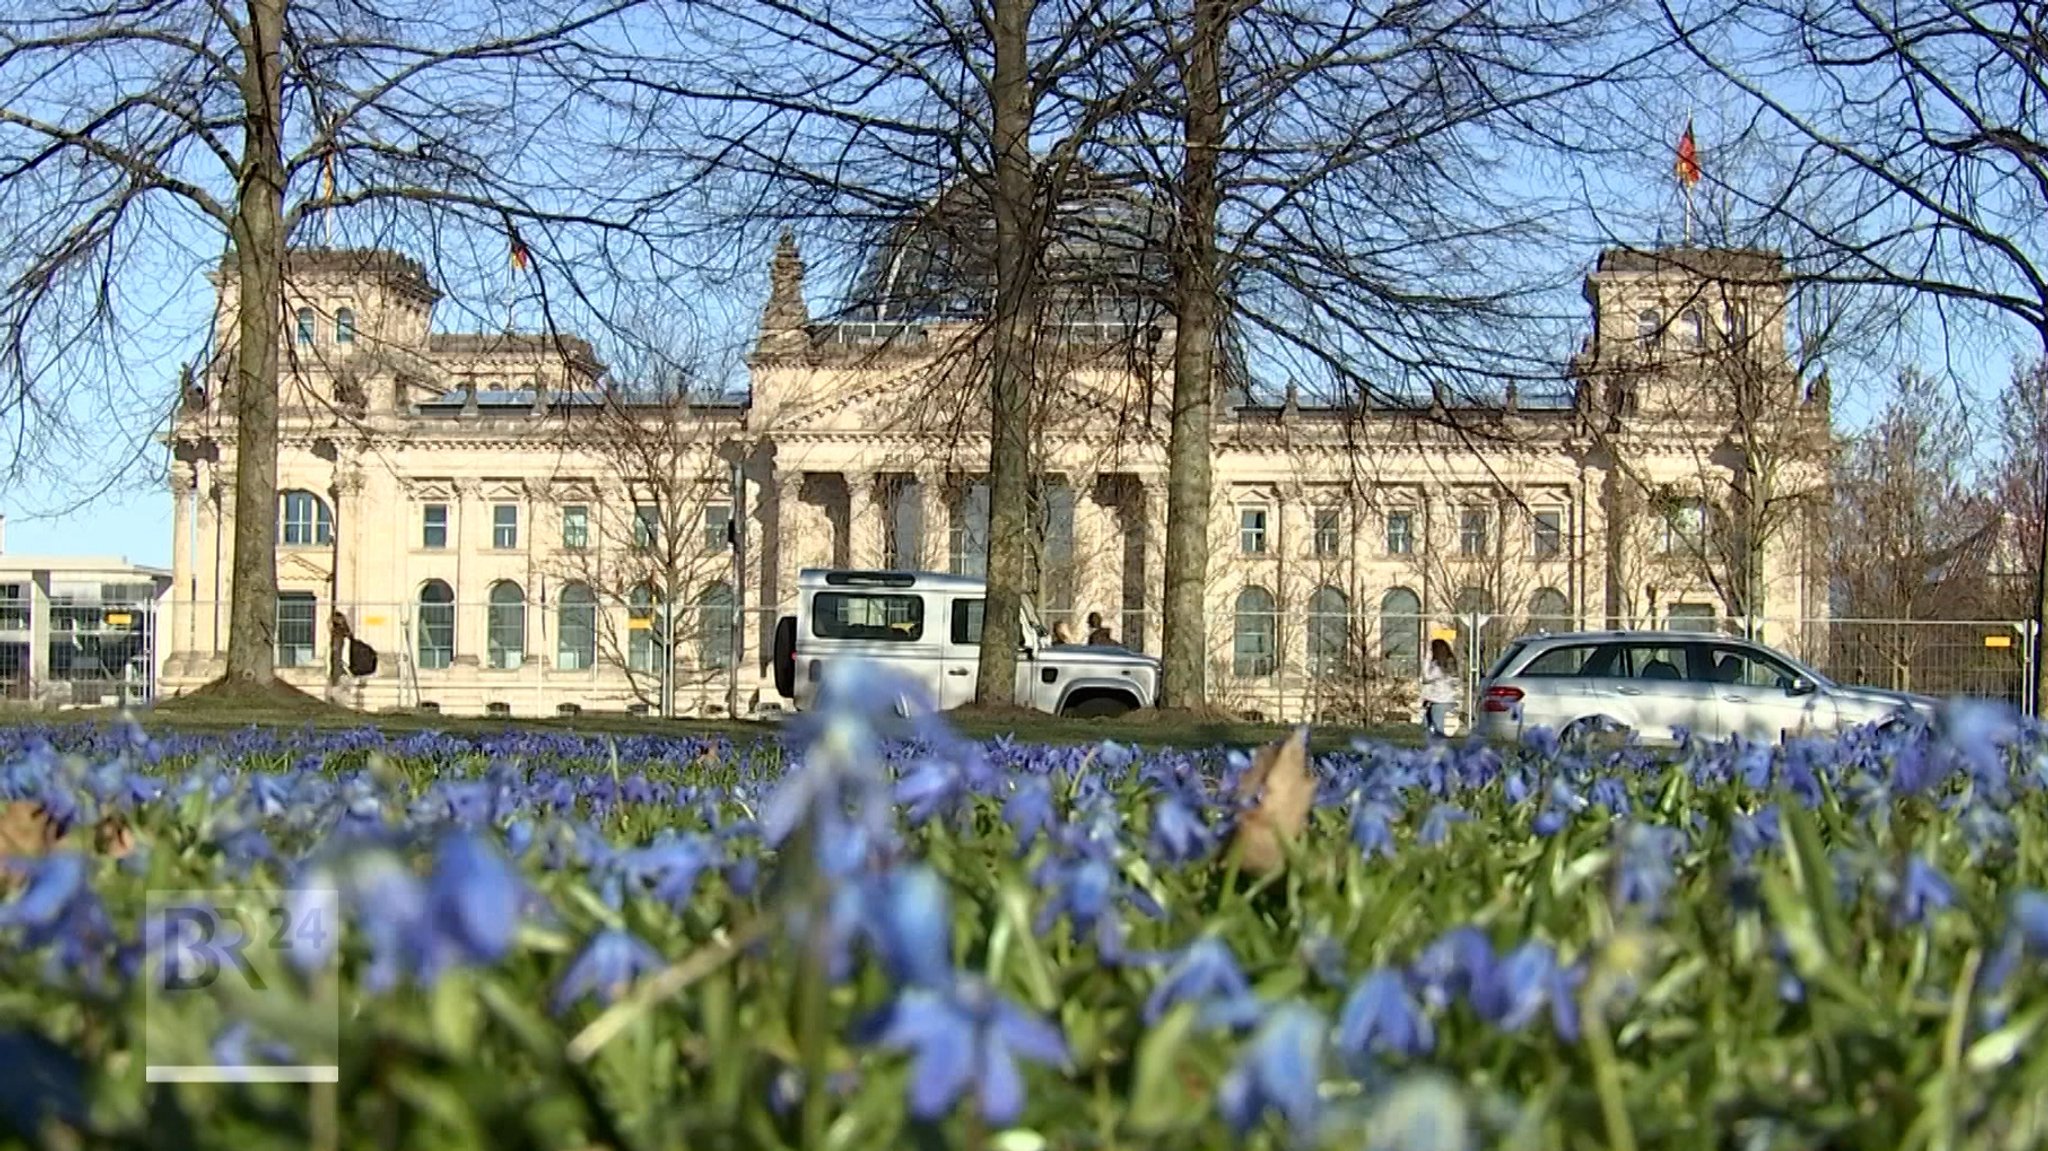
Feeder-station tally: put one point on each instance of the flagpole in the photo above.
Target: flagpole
(1687, 184)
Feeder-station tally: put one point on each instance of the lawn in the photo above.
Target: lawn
(889, 935)
(1151, 729)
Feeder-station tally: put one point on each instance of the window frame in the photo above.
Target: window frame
(1466, 518)
(886, 632)
(310, 650)
(1265, 625)
(1406, 518)
(579, 597)
(504, 535)
(575, 527)
(320, 527)
(1254, 539)
(720, 538)
(344, 325)
(307, 325)
(498, 655)
(423, 631)
(1326, 532)
(427, 527)
(1546, 534)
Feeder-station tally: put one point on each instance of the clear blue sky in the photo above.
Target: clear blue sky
(114, 501)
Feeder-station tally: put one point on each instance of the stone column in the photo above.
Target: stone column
(174, 635)
(470, 620)
(1153, 500)
(1098, 558)
(932, 524)
(864, 515)
(221, 589)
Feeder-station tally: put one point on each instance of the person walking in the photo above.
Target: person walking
(340, 676)
(1439, 687)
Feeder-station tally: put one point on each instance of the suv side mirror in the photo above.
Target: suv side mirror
(1800, 685)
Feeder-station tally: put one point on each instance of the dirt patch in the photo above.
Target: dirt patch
(272, 698)
(998, 713)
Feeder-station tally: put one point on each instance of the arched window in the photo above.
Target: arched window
(1649, 325)
(344, 325)
(1694, 325)
(1329, 632)
(505, 625)
(1550, 611)
(644, 643)
(576, 629)
(1401, 631)
(1255, 635)
(436, 625)
(308, 329)
(714, 627)
(303, 520)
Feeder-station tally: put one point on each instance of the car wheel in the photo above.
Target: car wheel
(1593, 732)
(1099, 707)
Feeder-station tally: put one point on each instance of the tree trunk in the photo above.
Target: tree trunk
(2041, 611)
(258, 233)
(1184, 639)
(1016, 316)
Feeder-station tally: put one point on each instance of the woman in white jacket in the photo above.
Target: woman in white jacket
(1439, 687)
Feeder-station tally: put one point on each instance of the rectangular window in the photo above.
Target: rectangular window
(1558, 661)
(434, 526)
(1472, 525)
(646, 525)
(575, 527)
(1400, 533)
(1549, 534)
(717, 527)
(856, 615)
(1685, 527)
(296, 614)
(967, 617)
(505, 526)
(307, 327)
(14, 607)
(1251, 531)
(1329, 534)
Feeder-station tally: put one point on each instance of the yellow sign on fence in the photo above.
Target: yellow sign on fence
(118, 619)
(373, 621)
(1446, 634)
(1997, 641)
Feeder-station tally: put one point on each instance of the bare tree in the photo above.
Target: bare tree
(646, 494)
(2020, 482)
(197, 126)
(1919, 123)
(1337, 214)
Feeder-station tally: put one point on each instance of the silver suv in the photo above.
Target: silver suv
(927, 626)
(1655, 682)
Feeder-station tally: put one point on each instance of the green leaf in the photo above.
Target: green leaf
(1159, 1101)
(1816, 875)
(2004, 1045)
(454, 1015)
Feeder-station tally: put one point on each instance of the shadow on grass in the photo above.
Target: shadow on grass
(1145, 729)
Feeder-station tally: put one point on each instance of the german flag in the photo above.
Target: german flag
(1688, 165)
(520, 257)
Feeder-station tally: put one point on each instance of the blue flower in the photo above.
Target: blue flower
(968, 1037)
(1451, 965)
(1280, 1070)
(669, 868)
(1372, 828)
(1511, 992)
(54, 883)
(1436, 826)
(476, 898)
(609, 964)
(1178, 834)
(2030, 920)
(916, 928)
(1643, 872)
(1380, 1015)
(1205, 972)
(1029, 809)
(1922, 891)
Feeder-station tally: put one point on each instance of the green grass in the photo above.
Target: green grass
(1145, 730)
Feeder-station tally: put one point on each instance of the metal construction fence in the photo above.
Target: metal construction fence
(79, 654)
(557, 654)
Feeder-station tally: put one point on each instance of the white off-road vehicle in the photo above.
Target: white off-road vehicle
(927, 626)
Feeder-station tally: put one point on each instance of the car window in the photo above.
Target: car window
(1560, 661)
(1654, 661)
(867, 616)
(1506, 657)
(1745, 668)
(967, 617)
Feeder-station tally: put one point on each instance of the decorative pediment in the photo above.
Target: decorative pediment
(500, 491)
(430, 490)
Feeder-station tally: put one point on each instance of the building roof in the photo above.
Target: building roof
(1710, 263)
(12, 564)
(524, 344)
(381, 263)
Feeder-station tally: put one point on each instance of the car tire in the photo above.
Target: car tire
(1098, 707)
(1591, 732)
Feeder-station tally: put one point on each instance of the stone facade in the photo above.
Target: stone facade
(501, 521)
